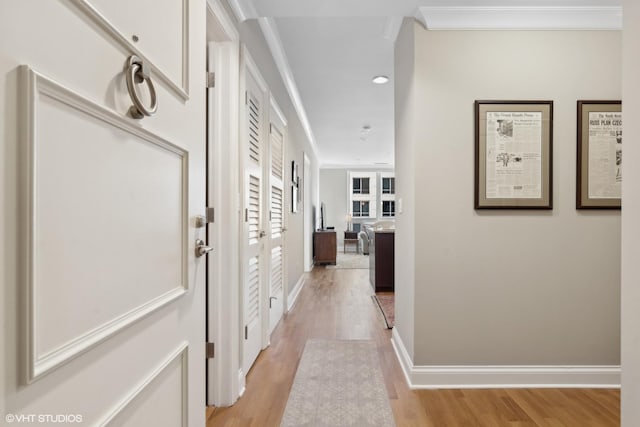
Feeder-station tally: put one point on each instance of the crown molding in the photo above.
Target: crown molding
(358, 166)
(270, 31)
(218, 11)
(521, 18)
(243, 10)
(392, 28)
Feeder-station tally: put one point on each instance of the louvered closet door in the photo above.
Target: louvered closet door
(253, 153)
(276, 202)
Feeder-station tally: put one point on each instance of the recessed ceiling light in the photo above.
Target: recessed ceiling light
(380, 80)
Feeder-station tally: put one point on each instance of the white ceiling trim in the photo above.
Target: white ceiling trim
(243, 9)
(357, 166)
(525, 18)
(393, 28)
(272, 37)
(226, 22)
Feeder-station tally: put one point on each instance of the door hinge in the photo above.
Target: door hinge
(270, 216)
(246, 332)
(246, 214)
(246, 97)
(211, 350)
(270, 127)
(211, 80)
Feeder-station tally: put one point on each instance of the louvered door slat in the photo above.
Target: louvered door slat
(276, 270)
(276, 153)
(276, 212)
(253, 210)
(253, 122)
(253, 300)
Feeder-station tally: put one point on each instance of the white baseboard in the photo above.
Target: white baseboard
(293, 295)
(545, 376)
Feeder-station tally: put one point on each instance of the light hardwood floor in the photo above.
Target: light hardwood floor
(337, 304)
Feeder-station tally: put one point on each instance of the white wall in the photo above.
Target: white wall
(630, 215)
(508, 287)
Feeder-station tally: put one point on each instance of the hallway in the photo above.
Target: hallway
(337, 304)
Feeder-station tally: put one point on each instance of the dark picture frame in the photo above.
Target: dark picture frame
(599, 154)
(513, 154)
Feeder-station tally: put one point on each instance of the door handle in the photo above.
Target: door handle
(271, 300)
(201, 248)
(263, 233)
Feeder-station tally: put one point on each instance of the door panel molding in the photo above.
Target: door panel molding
(180, 88)
(180, 355)
(35, 87)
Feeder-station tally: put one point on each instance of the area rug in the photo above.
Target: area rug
(338, 383)
(386, 302)
(350, 260)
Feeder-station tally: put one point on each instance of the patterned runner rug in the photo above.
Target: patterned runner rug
(338, 383)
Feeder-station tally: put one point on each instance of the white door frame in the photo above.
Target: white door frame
(307, 213)
(224, 380)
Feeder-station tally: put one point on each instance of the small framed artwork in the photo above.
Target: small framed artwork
(513, 154)
(294, 172)
(599, 160)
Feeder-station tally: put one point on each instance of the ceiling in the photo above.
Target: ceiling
(328, 51)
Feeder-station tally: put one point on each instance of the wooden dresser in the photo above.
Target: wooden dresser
(324, 247)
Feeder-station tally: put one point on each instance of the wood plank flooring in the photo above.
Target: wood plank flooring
(337, 304)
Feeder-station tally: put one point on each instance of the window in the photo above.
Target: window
(387, 194)
(388, 185)
(363, 197)
(360, 209)
(360, 185)
(388, 208)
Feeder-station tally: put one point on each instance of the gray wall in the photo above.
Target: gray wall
(630, 215)
(405, 184)
(509, 287)
(296, 144)
(334, 192)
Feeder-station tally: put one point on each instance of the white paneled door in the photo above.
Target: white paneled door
(103, 301)
(277, 215)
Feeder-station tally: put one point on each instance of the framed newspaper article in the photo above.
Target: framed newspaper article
(513, 154)
(599, 168)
